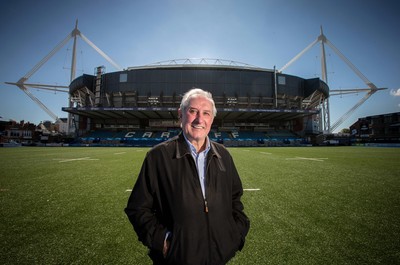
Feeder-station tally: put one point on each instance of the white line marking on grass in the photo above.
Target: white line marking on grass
(75, 159)
(121, 153)
(130, 190)
(265, 153)
(307, 158)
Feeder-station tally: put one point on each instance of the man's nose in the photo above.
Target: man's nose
(199, 117)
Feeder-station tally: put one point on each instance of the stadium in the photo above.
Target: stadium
(138, 106)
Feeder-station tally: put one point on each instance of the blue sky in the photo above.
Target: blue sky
(261, 33)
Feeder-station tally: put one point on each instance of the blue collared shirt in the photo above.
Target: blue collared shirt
(200, 160)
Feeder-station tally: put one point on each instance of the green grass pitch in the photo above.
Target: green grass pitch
(315, 205)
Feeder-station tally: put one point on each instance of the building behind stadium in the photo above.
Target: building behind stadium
(384, 128)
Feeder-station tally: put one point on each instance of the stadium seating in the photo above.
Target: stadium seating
(234, 138)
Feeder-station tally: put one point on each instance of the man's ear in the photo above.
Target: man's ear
(179, 114)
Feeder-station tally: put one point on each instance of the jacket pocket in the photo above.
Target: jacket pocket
(226, 241)
(188, 246)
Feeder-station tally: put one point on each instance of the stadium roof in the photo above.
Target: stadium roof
(201, 62)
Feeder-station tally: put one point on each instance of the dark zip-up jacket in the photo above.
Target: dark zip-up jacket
(167, 197)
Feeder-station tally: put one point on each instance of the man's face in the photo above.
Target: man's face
(197, 119)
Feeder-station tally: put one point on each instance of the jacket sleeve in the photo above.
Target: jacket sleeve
(143, 210)
(242, 221)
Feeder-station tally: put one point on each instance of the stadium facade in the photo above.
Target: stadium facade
(254, 104)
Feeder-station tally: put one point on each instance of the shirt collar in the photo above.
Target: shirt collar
(193, 149)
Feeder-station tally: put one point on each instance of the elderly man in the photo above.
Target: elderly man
(185, 205)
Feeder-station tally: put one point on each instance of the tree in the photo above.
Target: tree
(345, 130)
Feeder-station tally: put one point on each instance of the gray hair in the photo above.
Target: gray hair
(197, 92)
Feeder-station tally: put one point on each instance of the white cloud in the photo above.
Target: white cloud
(395, 93)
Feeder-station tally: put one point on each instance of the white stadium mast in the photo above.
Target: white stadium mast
(21, 83)
(327, 127)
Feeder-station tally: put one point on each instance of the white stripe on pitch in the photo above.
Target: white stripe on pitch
(129, 190)
(75, 159)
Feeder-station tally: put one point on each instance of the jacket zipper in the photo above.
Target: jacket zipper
(206, 213)
(205, 205)
(205, 198)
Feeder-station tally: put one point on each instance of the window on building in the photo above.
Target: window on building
(281, 80)
(123, 78)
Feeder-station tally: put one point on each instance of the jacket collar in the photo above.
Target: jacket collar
(182, 149)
